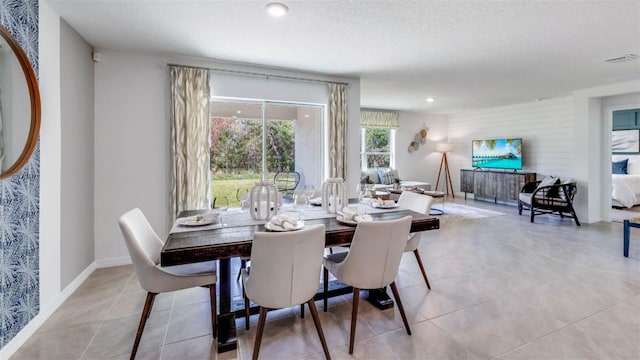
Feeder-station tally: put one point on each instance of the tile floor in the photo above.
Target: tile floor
(501, 288)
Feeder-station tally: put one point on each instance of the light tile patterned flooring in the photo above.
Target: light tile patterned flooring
(501, 288)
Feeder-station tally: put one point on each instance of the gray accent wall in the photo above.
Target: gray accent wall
(77, 245)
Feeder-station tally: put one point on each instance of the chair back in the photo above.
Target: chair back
(144, 246)
(285, 267)
(416, 202)
(420, 204)
(375, 253)
(286, 182)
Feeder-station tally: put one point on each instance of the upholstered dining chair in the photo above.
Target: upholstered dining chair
(144, 248)
(284, 272)
(372, 262)
(421, 204)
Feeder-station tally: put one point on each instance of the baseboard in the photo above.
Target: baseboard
(12, 346)
(105, 263)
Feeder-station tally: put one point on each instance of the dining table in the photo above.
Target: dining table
(232, 236)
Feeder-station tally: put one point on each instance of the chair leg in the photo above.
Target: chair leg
(424, 273)
(143, 320)
(575, 217)
(316, 321)
(214, 313)
(246, 309)
(354, 318)
(153, 301)
(326, 288)
(625, 239)
(261, 321)
(396, 296)
(243, 265)
(532, 213)
(301, 311)
(519, 207)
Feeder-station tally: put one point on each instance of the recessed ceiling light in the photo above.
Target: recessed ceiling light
(239, 112)
(306, 115)
(277, 9)
(431, 99)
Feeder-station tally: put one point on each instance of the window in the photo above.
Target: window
(377, 144)
(377, 148)
(293, 143)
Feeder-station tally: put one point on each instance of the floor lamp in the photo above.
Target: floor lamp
(444, 148)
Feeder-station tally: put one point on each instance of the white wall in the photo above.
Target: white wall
(565, 136)
(422, 164)
(546, 129)
(592, 165)
(131, 146)
(132, 134)
(50, 155)
(76, 213)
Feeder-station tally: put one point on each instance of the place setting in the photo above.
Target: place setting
(289, 221)
(383, 204)
(199, 220)
(352, 216)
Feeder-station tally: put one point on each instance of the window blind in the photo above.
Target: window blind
(374, 119)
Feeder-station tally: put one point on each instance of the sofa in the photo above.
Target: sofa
(384, 178)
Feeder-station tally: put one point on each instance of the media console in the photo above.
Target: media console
(496, 185)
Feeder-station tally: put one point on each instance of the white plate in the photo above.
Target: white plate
(348, 222)
(384, 206)
(272, 227)
(195, 221)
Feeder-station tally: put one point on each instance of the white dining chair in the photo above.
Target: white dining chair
(284, 272)
(372, 262)
(420, 204)
(144, 247)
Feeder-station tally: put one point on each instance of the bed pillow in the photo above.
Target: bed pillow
(619, 167)
(633, 168)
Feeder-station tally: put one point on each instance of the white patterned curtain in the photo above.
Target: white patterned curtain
(376, 119)
(337, 130)
(1, 141)
(190, 93)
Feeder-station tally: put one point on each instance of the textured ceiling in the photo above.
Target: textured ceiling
(467, 54)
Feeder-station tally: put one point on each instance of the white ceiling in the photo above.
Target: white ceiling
(467, 54)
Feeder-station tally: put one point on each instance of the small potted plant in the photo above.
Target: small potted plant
(396, 185)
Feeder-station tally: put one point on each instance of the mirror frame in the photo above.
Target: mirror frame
(34, 96)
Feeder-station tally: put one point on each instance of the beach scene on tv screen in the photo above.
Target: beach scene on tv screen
(497, 153)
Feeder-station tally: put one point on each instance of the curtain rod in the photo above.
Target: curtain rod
(249, 73)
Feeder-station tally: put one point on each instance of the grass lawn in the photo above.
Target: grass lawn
(227, 185)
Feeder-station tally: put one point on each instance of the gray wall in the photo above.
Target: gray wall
(77, 246)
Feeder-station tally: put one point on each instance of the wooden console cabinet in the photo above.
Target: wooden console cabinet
(503, 186)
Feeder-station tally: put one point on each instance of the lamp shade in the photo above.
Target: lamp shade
(444, 147)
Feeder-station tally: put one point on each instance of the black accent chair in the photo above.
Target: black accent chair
(550, 199)
(286, 182)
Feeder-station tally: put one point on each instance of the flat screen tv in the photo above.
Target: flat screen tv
(497, 153)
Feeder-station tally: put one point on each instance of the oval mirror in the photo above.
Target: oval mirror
(19, 106)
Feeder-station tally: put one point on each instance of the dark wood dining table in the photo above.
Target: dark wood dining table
(226, 243)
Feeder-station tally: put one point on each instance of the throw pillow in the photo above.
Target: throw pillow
(548, 181)
(619, 167)
(386, 177)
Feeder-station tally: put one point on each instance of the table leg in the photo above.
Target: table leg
(380, 299)
(227, 340)
(626, 238)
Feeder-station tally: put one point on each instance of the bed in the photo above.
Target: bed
(625, 180)
(625, 190)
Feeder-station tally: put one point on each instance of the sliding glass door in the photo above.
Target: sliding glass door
(293, 143)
